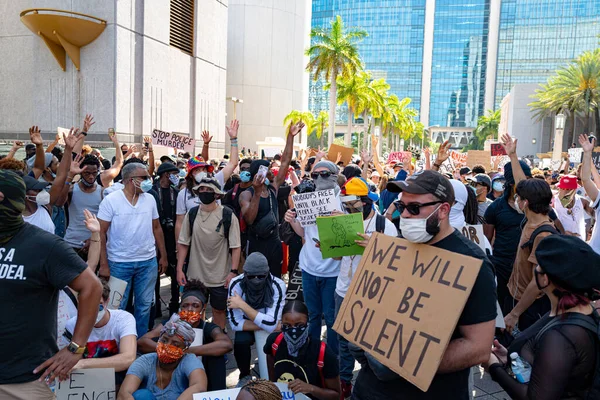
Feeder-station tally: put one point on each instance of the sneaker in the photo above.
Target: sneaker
(346, 389)
(243, 381)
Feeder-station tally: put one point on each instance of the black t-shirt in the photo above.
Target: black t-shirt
(303, 367)
(480, 307)
(34, 266)
(229, 200)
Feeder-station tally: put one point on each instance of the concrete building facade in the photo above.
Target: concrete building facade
(131, 77)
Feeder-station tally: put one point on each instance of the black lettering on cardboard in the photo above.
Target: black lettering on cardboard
(441, 279)
(72, 380)
(374, 287)
(429, 339)
(421, 266)
(404, 304)
(455, 285)
(387, 280)
(395, 257)
(403, 350)
(363, 342)
(362, 323)
(349, 330)
(365, 282)
(378, 253)
(417, 305)
(382, 335)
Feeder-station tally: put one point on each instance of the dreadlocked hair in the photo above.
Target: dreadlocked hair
(471, 207)
(262, 389)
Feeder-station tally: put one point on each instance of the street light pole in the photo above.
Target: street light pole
(558, 137)
(235, 100)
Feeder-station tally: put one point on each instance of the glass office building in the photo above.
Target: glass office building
(393, 50)
(539, 36)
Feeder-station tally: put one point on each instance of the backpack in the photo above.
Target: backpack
(537, 231)
(379, 223)
(234, 199)
(225, 221)
(592, 324)
(320, 362)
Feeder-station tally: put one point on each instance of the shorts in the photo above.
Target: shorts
(217, 297)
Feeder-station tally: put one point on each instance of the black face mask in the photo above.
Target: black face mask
(367, 207)
(206, 197)
(537, 282)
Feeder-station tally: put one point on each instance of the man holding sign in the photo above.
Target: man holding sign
(427, 197)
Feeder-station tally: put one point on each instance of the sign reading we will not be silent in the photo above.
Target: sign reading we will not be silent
(173, 140)
(404, 303)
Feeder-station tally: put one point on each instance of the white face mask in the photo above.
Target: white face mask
(415, 229)
(199, 176)
(100, 315)
(516, 207)
(42, 198)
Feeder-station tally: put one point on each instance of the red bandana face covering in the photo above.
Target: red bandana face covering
(190, 317)
(167, 353)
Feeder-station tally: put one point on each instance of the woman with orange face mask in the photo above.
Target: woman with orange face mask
(169, 373)
(215, 343)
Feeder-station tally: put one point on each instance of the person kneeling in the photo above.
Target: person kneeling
(215, 343)
(306, 365)
(169, 373)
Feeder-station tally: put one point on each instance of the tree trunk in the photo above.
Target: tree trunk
(348, 136)
(332, 104)
(365, 128)
(322, 136)
(597, 121)
(571, 136)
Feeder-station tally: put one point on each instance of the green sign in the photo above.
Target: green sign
(338, 235)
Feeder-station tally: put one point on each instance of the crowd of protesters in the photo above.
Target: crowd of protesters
(225, 235)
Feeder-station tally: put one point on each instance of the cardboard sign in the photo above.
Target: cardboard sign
(199, 338)
(336, 149)
(575, 155)
(497, 149)
(458, 156)
(475, 157)
(404, 303)
(84, 384)
(61, 132)
(294, 287)
(174, 141)
(475, 234)
(499, 317)
(231, 394)
(404, 157)
(271, 152)
(117, 290)
(337, 235)
(311, 205)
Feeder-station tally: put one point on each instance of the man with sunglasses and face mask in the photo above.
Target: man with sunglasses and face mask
(427, 197)
(130, 232)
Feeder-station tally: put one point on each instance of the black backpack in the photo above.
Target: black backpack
(537, 231)
(592, 324)
(225, 221)
(379, 223)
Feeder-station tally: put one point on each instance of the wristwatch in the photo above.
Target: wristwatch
(235, 271)
(75, 348)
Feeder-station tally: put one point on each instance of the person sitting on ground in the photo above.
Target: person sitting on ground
(169, 373)
(562, 346)
(294, 358)
(215, 343)
(255, 304)
(112, 343)
(259, 389)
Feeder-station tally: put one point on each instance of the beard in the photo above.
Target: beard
(433, 224)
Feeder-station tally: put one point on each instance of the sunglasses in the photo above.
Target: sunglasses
(251, 277)
(322, 174)
(414, 208)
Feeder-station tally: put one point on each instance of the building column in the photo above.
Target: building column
(427, 61)
(492, 55)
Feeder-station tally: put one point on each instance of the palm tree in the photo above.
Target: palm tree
(295, 116)
(321, 122)
(334, 52)
(487, 126)
(353, 90)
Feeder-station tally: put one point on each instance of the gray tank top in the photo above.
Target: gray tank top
(77, 233)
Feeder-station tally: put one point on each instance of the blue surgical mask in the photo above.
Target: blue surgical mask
(182, 173)
(498, 186)
(245, 176)
(174, 179)
(267, 182)
(146, 185)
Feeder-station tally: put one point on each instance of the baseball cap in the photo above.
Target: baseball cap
(358, 187)
(567, 182)
(375, 173)
(29, 146)
(425, 182)
(209, 183)
(33, 184)
(465, 171)
(482, 179)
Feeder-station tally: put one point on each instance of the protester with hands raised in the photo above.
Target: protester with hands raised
(588, 170)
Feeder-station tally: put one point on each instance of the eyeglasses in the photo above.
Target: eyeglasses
(251, 277)
(414, 208)
(322, 174)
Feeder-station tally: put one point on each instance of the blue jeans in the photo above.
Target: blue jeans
(143, 394)
(143, 275)
(318, 296)
(346, 359)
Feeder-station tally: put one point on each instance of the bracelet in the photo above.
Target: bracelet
(234, 144)
(235, 271)
(84, 133)
(437, 165)
(67, 183)
(206, 144)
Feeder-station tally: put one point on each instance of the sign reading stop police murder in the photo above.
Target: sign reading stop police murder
(174, 141)
(311, 205)
(404, 303)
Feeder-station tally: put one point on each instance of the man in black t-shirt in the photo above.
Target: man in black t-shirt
(427, 197)
(34, 266)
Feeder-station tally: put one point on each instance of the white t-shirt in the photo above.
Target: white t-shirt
(130, 236)
(186, 201)
(42, 219)
(350, 263)
(104, 341)
(595, 240)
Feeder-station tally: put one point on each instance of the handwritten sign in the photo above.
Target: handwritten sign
(84, 384)
(337, 235)
(478, 157)
(231, 394)
(404, 157)
(346, 153)
(575, 155)
(61, 132)
(404, 303)
(173, 140)
(458, 157)
(294, 287)
(596, 159)
(311, 205)
(66, 310)
(117, 290)
(497, 149)
(475, 234)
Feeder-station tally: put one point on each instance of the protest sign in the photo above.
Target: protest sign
(271, 152)
(596, 159)
(575, 155)
(117, 290)
(84, 384)
(311, 205)
(231, 394)
(198, 338)
(458, 156)
(173, 140)
(61, 132)
(346, 153)
(294, 287)
(478, 157)
(337, 235)
(403, 304)
(404, 157)
(497, 149)
(475, 234)
(499, 317)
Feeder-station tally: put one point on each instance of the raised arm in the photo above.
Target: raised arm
(442, 155)
(234, 154)
(206, 138)
(250, 202)
(16, 146)
(88, 121)
(56, 192)
(366, 159)
(586, 170)
(510, 146)
(104, 270)
(106, 177)
(286, 157)
(427, 156)
(53, 144)
(40, 159)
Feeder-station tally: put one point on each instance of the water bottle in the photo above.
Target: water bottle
(520, 368)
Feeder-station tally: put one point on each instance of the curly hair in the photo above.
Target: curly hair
(194, 284)
(12, 164)
(262, 389)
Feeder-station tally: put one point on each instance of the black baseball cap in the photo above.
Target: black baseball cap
(465, 171)
(425, 182)
(570, 263)
(482, 179)
(33, 184)
(30, 146)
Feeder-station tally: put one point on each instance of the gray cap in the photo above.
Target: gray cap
(33, 184)
(256, 264)
(482, 179)
(327, 164)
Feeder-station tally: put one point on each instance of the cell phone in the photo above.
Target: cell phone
(262, 171)
(316, 241)
(591, 138)
(147, 144)
(111, 132)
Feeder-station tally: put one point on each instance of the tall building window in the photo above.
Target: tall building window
(181, 32)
